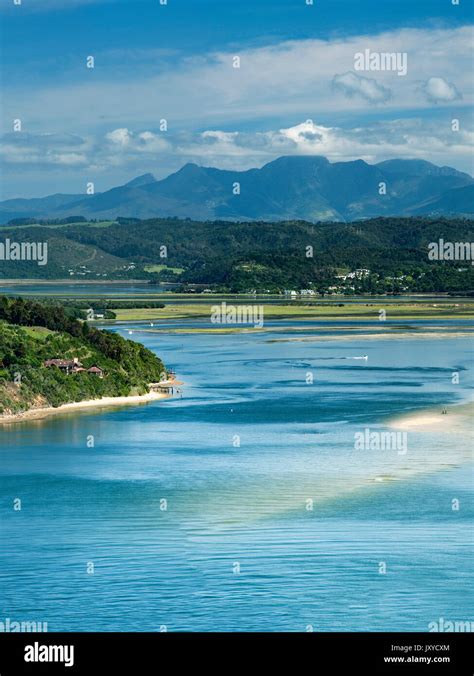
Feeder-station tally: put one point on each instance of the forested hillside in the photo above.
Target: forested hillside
(31, 333)
(247, 256)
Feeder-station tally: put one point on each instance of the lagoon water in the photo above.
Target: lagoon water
(240, 460)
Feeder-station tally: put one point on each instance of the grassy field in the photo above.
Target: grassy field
(323, 310)
(37, 332)
(160, 268)
(199, 306)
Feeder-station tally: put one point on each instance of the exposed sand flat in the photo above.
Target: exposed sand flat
(37, 413)
(396, 335)
(457, 419)
(390, 333)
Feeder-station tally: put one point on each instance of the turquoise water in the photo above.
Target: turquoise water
(247, 504)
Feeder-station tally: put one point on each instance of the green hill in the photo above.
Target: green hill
(31, 333)
(65, 257)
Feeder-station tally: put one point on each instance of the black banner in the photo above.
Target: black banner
(146, 653)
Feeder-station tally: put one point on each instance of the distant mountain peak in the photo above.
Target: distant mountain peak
(298, 160)
(144, 179)
(292, 187)
(190, 168)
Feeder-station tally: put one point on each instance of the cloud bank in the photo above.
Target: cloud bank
(137, 151)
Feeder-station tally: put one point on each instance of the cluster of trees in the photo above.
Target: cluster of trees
(238, 257)
(129, 366)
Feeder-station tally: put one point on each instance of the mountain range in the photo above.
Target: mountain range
(289, 188)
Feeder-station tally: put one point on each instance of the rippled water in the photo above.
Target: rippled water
(237, 460)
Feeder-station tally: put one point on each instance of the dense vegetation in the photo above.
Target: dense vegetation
(241, 257)
(32, 332)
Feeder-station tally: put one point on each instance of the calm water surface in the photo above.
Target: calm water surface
(238, 460)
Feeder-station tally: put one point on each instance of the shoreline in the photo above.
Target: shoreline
(458, 418)
(46, 411)
(28, 281)
(70, 282)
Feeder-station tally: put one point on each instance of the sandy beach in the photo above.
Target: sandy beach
(458, 418)
(38, 413)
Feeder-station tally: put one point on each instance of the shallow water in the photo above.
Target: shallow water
(238, 460)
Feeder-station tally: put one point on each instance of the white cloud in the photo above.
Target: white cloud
(120, 137)
(117, 147)
(140, 151)
(437, 90)
(133, 143)
(293, 79)
(149, 142)
(377, 141)
(45, 149)
(357, 85)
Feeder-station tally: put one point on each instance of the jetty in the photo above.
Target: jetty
(168, 385)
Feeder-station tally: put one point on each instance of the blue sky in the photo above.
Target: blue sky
(296, 90)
